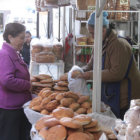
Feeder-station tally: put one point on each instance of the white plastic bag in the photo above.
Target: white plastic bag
(77, 84)
(31, 115)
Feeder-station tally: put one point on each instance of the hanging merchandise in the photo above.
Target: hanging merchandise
(123, 5)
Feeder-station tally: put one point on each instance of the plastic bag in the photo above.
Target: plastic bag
(31, 115)
(77, 84)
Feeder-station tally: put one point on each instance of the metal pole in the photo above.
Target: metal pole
(59, 25)
(139, 40)
(37, 25)
(96, 98)
(48, 35)
(70, 21)
(74, 51)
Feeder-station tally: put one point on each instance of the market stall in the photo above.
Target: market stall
(59, 113)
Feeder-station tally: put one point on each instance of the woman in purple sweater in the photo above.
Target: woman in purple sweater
(14, 85)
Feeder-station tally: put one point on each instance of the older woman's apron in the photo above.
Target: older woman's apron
(110, 92)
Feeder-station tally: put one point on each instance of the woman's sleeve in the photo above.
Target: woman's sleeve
(7, 76)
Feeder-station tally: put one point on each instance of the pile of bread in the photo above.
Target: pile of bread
(61, 85)
(48, 100)
(46, 52)
(130, 128)
(42, 54)
(64, 125)
(43, 82)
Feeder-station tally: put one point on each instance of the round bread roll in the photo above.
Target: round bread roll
(93, 129)
(70, 130)
(83, 99)
(81, 111)
(45, 101)
(41, 122)
(33, 79)
(75, 73)
(63, 112)
(35, 101)
(44, 112)
(90, 135)
(57, 132)
(37, 108)
(60, 88)
(51, 105)
(93, 123)
(51, 122)
(85, 105)
(45, 93)
(69, 122)
(60, 106)
(46, 81)
(74, 106)
(43, 132)
(44, 89)
(82, 119)
(64, 77)
(62, 83)
(70, 94)
(79, 136)
(89, 110)
(67, 101)
(53, 96)
(56, 81)
(59, 96)
(43, 76)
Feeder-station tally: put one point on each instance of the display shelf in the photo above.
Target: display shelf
(54, 69)
(97, 53)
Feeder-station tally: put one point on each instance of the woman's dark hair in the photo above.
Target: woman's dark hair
(13, 29)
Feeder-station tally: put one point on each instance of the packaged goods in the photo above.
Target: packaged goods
(45, 57)
(110, 5)
(123, 5)
(81, 4)
(85, 4)
(81, 40)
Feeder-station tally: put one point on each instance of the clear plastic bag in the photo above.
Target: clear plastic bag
(77, 84)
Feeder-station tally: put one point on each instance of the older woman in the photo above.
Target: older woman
(120, 75)
(14, 85)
